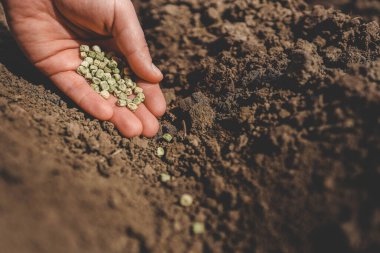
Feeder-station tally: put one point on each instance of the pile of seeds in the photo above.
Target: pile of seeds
(109, 75)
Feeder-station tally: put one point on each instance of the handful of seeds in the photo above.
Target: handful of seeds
(109, 75)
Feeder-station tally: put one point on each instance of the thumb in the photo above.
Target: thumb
(131, 41)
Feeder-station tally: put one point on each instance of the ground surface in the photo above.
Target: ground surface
(275, 109)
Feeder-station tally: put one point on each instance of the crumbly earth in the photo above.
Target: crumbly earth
(275, 110)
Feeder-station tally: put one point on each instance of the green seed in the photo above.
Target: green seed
(95, 87)
(107, 76)
(88, 76)
(198, 228)
(93, 67)
(117, 77)
(96, 80)
(83, 55)
(128, 91)
(85, 64)
(99, 73)
(102, 65)
(112, 64)
(100, 56)
(123, 96)
(167, 137)
(111, 81)
(131, 106)
(121, 102)
(82, 70)
(165, 177)
(96, 63)
(105, 94)
(141, 96)
(136, 101)
(89, 60)
(91, 54)
(107, 70)
(186, 200)
(160, 152)
(96, 49)
(116, 71)
(104, 85)
(84, 48)
(138, 90)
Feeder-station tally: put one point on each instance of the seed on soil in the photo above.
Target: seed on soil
(167, 137)
(186, 200)
(165, 177)
(198, 228)
(160, 152)
(108, 75)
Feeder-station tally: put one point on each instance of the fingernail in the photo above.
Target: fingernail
(156, 70)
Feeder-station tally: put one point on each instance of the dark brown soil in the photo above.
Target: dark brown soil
(368, 9)
(275, 109)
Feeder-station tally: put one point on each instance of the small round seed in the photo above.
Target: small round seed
(96, 80)
(93, 67)
(99, 73)
(123, 96)
(83, 55)
(100, 56)
(107, 70)
(89, 60)
(107, 76)
(84, 48)
(105, 94)
(160, 152)
(131, 106)
(141, 96)
(96, 63)
(112, 64)
(165, 177)
(91, 54)
(96, 49)
(136, 101)
(186, 200)
(111, 81)
(104, 85)
(88, 76)
(85, 64)
(121, 102)
(117, 77)
(128, 91)
(102, 65)
(138, 90)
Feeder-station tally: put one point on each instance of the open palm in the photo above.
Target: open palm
(50, 33)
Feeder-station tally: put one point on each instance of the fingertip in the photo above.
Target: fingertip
(152, 129)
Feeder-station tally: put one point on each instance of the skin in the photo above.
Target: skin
(50, 33)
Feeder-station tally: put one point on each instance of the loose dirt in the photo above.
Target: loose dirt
(275, 109)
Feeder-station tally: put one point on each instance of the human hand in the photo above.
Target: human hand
(50, 33)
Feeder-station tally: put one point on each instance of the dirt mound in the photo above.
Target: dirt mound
(275, 109)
